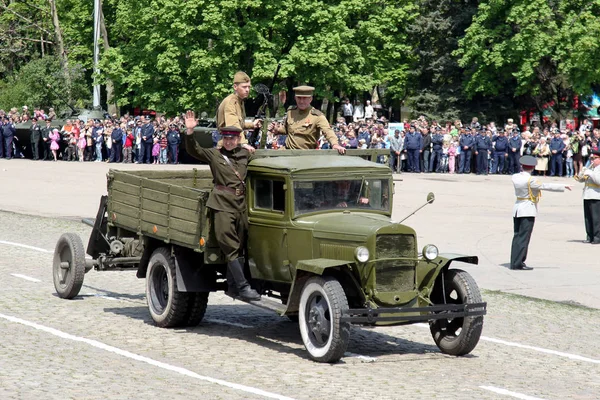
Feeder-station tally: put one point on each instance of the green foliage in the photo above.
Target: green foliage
(538, 50)
(41, 83)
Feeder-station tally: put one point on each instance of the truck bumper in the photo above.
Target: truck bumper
(403, 315)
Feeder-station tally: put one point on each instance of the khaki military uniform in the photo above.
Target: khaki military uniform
(232, 112)
(303, 129)
(227, 200)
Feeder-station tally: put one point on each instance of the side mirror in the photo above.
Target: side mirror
(430, 198)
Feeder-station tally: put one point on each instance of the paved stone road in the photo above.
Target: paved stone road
(242, 345)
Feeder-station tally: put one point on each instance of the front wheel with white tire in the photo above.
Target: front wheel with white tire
(324, 335)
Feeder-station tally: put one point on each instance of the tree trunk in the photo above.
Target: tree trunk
(60, 47)
(110, 87)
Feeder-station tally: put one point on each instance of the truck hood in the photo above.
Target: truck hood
(349, 225)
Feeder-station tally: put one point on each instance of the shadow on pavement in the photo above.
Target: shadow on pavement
(277, 333)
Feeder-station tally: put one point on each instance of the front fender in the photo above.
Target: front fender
(428, 271)
(323, 266)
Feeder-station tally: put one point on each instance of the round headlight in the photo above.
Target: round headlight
(361, 254)
(430, 252)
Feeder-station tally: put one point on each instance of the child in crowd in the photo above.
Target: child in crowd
(155, 150)
(444, 161)
(54, 146)
(451, 156)
(569, 161)
(128, 148)
(163, 148)
(81, 145)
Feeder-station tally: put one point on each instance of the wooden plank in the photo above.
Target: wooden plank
(125, 188)
(175, 223)
(121, 208)
(154, 206)
(124, 198)
(127, 177)
(159, 196)
(190, 204)
(125, 222)
(155, 218)
(184, 214)
(191, 227)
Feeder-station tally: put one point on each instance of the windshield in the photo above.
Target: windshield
(364, 194)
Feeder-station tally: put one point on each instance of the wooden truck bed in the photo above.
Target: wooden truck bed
(165, 205)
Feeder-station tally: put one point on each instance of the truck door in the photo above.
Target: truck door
(267, 229)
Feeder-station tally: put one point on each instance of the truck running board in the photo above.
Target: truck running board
(263, 303)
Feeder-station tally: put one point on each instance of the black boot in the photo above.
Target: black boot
(235, 269)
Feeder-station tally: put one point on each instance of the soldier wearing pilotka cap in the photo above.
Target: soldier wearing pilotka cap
(528, 191)
(232, 112)
(303, 123)
(227, 200)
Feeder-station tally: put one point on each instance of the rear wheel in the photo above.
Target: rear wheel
(196, 308)
(68, 265)
(168, 307)
(321, 304)
(457, 336)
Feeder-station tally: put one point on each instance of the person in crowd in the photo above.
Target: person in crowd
(426, 150)
(437, 142)
(173, 139)
(155, 150)
(303, 124)
(413, 144)
(591, 198)
(54, 137)
(569, 160)
(8, 133)
(576, 146)
(542, 152)
(46, 131)
(81, 145)
(359, 111)
(347, 111)
(452, 148)
(128, 146)
(369, 112)
(137, 132)
(147, 134)
(396, 144)
(467, 141)
(528, 191)
(556, 149)
(443, 165)
(116, 138)
(227, 201)
(98, 138)
(35, 134)
(164, 148)
(483, 145)
(514, 149)
(500, 149)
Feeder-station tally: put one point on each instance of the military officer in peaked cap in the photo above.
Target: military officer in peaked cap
(232, 112)
(528, 191)
(303, 124)
(227, 200)
(591, 198)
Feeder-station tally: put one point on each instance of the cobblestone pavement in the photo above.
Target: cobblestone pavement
(103, 344)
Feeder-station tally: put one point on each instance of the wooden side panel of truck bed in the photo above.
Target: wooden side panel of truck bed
(165, 205)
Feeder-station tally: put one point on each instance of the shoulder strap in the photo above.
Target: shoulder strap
(228, 161)
(532, 198)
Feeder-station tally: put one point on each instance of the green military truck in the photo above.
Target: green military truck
(322, 250)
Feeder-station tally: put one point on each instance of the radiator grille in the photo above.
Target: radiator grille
(397, 275)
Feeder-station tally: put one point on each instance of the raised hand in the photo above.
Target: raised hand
(190, 122)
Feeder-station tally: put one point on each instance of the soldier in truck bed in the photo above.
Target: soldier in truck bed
(227, 200)
(303, 124)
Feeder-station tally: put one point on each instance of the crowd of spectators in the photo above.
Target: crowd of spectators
(127, 139)
(419, 145)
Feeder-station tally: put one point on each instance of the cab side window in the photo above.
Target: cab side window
(269, 194)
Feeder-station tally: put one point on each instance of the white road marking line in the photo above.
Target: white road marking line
(223, 322)
(101, 296)
(509, 393)
(360, 357)
(26, 246)
(534, 348)
(27, 278)
(147, 360)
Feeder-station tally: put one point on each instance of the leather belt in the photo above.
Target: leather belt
(237, 192)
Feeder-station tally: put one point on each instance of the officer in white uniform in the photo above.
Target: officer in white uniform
(591, 199)
(528, 191)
